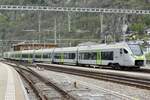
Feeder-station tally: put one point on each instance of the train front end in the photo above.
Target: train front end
(137, 55)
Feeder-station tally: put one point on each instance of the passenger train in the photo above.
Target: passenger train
(118, 55)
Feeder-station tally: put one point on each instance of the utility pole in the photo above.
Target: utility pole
(69, 22)
(124, 28)
(55, 31)
(59, 40)
(101, 19)
(105, 39)
(39, 26)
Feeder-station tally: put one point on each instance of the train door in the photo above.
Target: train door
(98, 57)
(122, 59)
(118, 56)
(125, 57)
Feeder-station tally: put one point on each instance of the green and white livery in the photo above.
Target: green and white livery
(117, 55)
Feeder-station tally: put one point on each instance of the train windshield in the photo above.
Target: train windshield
(136, 49)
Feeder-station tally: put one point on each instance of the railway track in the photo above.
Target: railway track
(44, 85)
(139, 82)
(107, 92)
(140, 70)
(32, 85)
(115, 94)
(143, 70)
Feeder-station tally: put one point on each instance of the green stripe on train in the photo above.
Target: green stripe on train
(140, 57)
(98, 57)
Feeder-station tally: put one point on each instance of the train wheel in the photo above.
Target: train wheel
(112, 65)
(135, 68)
(101, 67)
(122, 68)
(115, 66)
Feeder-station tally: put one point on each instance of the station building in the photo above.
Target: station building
(31, 46)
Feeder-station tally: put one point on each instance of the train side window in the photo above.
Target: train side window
(72, 55)
(84, 55)
(25, 56)
(30, 55)
(108, 55)
(65, 56)
(125, 51)
(46, 55)
(38, 56)
(93, 55)
(87, 56)
(57, 55)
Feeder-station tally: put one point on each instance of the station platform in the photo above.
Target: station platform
(11, 85)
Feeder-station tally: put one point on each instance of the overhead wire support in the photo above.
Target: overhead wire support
(69, 22)
(55, 31)
(101, 22)
(39, 26)
(72, 9)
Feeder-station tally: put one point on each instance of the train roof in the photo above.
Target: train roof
(67, 49)
(104, 46)
(44, 50)
(72, 49)
(26, 51)
(48, 50)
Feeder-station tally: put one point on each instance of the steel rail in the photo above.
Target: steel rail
(85, 74)
(36, 91)
(132, 81)
(78, 73)
(59, 70)
(63, 92)
(47, 82)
